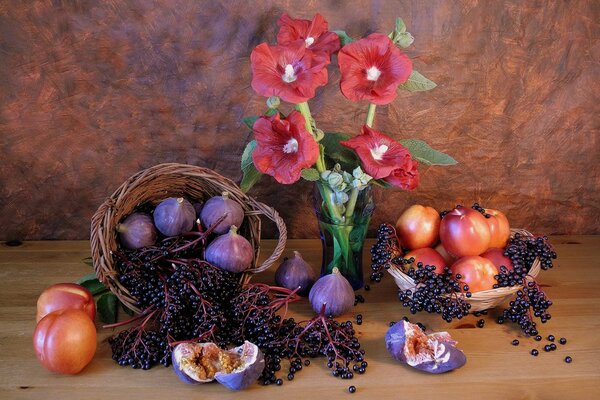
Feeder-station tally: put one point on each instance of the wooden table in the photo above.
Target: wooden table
(495, 369)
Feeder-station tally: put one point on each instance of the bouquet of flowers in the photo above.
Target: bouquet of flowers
(288, 144)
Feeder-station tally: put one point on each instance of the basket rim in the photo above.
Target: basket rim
(491, 297)
(103, 236)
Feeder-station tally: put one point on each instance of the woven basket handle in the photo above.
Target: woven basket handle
(269, 212)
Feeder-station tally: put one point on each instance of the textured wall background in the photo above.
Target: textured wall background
(91, 92)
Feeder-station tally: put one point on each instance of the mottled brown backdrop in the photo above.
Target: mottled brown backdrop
(91, 92)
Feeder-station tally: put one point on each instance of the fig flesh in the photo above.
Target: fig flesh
(434, 353)
(235, 369)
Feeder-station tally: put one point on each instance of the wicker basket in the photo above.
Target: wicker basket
(173, 180)
(479, 300)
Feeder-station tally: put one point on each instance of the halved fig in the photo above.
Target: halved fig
(236, 368)
(251, 365)
(435, 353)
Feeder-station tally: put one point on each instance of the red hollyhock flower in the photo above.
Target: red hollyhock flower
(315, 33)
(372, 68)
(284, 147)
(290, 72)
(379, 153)
(405, 177)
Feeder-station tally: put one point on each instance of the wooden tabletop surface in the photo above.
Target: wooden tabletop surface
(495, 369)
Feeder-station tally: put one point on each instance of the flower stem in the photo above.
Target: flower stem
(351, 204)
(370, 115)
(305, 111)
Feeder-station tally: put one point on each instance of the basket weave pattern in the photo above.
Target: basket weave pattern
(479, 300)
(157, 183)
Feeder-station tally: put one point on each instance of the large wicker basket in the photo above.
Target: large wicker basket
(479, 300)
(173, 180)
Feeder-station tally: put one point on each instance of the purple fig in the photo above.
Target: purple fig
(294, 273)
(435, 353)
(333, 292)
(174, 216)
(231, 252)
(236, 369)
(137, 231)
(218, 206)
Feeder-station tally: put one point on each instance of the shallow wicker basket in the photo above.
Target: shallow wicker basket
(173, 180)
(479, 300)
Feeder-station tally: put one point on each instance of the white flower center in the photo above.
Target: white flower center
(291, 146)
(378, 151)
(373, 74)
(309, 40)
(289, 74)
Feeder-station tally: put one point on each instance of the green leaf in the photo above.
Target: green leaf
(107, 308)
(250, 173)
(269, 113)
(404, 39)
(86, 278)
(127, 310)
(338, 153)
(344, 38)
(417, 83)
(88, 261)
(425, 154)
(249, 121)
(310, 174)
(400, 25)
(94, 286)
(381, 182)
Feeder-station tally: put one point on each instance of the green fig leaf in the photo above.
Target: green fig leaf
(421, 152)
(88, 261)
(107, 308)
(417, 83)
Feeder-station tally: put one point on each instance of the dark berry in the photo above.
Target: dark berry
(534, 352)
(568, 359)
(551, 338)
(515, 342)
(352, 389)
(538, 338)
(562, 340)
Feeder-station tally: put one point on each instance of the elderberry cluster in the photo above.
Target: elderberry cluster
(140, 348)
(434, 293)
(527, 299)
(384, 251)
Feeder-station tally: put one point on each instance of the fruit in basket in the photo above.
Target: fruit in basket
(464, 232)
(418, 227)
(137, 231)
(477, 272)
(236, 369)
(65, 341)
(174, 216)
(497, 257)
(334, 292)
(427, 256)
(499, 227)
(295, 273)
(62, 296)
(218, 206)
(448, 258)
(231, 252)
(434, 353)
